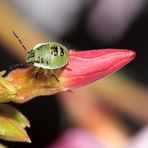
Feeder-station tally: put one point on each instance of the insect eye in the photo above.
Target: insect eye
(31, 54)
(62, 51)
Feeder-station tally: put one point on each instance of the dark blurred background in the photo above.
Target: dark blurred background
(79, 24)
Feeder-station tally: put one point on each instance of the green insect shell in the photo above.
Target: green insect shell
(48, 55)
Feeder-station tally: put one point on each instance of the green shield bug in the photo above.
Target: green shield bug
(48, 56)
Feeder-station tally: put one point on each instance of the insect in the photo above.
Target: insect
(48, 56)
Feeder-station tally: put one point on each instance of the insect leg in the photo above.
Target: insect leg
(36, 72)
(67, 68)
(46, 72)
(54, 76)
(17, 65)
(70, 91)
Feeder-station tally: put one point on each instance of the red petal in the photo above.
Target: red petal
(88, 66)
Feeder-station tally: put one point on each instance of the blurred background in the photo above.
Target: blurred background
(110, 113)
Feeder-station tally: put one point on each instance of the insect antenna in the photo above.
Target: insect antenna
(17, 65)
(20, 41)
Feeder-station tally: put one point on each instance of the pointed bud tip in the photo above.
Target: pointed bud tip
(27, 139)
(131, 54)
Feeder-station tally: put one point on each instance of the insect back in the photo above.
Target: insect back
(48, 55)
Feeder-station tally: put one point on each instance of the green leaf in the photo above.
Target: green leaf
(12, 124)
(2, 73)
(15, 114)
(7, 89)
(2, 146)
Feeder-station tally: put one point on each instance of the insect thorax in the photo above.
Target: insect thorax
(48, 55)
